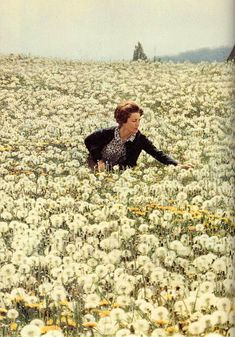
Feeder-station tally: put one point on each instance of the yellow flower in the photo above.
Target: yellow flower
(133, 209)
(109, 180)
(168, 297)
(49, 321)
(47, 328)
(191, 228)
(68, 321)
(3, 311)
(33, 305)
(104, 313)
(6, 148)
(89, 324)
(13, 326)
(171, 329)
(161, 321)
(71, 323)
(139, 213)
(116, 305)
(18, 299)
(104, 302)
(96, 311)
(64, 303)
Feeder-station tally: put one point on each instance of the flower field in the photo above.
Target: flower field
(147, 252)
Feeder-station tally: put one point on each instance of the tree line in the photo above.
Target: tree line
(139, 54)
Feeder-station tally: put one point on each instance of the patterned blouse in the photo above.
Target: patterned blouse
(115, 152)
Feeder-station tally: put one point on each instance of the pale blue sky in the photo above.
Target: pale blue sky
(109, 29)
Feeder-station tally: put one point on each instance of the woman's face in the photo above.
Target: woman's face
(133, 122)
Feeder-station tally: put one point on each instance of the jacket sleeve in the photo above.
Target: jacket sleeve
(94, 144)
(157, 154)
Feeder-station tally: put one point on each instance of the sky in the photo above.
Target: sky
(110, 29)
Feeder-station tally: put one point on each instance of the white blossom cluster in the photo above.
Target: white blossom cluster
(144, 252)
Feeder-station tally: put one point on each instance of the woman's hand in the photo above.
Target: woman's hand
(101, 166)
(185, 166)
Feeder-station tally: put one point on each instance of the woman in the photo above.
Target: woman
(121, 145)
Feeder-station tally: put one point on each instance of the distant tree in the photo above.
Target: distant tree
(231, 57)
(139, 53)
(156, 59)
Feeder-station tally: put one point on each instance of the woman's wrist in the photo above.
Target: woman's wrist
(101, 165)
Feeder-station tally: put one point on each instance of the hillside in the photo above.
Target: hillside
(203, 54)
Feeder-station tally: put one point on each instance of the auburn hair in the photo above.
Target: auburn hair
(124, 110)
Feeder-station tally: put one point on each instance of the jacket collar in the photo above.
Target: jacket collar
(117, 135)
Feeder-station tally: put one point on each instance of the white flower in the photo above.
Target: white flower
(180, 307)
(24, 269)
(4, 227)
(118, 315)
(70, 248)
(45, 288)
(38, 322)
(106, 326)
(101, 271)
(92, 301)
(196, 328)
(32, 299)
(206, 301)
(157, 275)
(142, 260)
(229, 285)
(231, 332)
(123, 300)
(159, 313)
(158, 333)
(110, 243)
(8, 270)
(18, 292)
(114, 256)
(219, 266)
(58, 294)
(5, 215)
(200, 227)
(214, 334)
(123, 333)
(141, 326)
(146, 293)
(12, 314)
(144, 248)
(30, 331)
(207, 287)
(195, 316)
(181, 196)
(223, 304)
(143, 228)
(183, 251)
(231, 317)
(127, 231)
(208, 321)
(220, 317)
(210, 276)
(124, 286)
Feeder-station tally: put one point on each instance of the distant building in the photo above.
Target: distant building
(232, 55)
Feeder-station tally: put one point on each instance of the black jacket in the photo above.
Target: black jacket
(96, 141)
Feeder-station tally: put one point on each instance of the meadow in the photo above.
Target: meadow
(145, 252)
